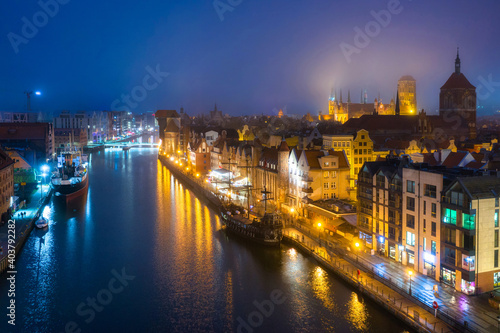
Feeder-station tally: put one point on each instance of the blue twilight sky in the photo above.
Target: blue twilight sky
(262, 55)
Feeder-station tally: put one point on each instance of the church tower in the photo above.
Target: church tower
(457, 102)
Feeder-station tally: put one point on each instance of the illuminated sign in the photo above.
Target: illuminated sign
(429, 258)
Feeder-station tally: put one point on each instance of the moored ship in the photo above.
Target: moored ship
(70, 180)
(267, 230)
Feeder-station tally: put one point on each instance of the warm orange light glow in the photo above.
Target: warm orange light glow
(357, 244)
(410, 273)
(206, 180)
(180, 164)
(178, 152)
(292, 210)
(198, 175)
(319, 225)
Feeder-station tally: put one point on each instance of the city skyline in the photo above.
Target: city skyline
(249, 58)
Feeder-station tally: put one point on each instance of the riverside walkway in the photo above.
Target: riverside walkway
(467, 313)
(24, 222)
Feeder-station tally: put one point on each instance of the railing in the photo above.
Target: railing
(450, 319)
(307, 179)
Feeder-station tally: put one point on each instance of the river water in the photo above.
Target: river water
(143, 254)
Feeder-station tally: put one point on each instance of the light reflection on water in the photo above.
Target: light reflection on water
(190, 275)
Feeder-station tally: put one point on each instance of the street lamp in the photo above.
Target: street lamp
(45, 169)
(28, 97)
(319, 233)
(357, 248)
(410, 273)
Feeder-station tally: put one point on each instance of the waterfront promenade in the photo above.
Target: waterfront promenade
(472, 313)
(23, 222)
(458, 311)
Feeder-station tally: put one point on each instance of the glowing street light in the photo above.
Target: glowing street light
(28, 97)
(357, 248)
(319, 233)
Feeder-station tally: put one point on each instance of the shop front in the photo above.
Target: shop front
(366, 238)
(448, 276)
(430, 265)
(468, 287)
(381, 245)
(410, 255)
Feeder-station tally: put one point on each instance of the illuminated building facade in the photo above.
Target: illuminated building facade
(407, 92)
(6, 185)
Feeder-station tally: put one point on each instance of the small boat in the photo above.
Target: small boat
(42, 222)
(125, 148)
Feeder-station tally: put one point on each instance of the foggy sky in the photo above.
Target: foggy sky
(261, 56)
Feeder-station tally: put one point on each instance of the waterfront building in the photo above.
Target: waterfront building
(6, 185)
(380, 193)
(20, 117)
(35, 139)
(470, 234)
(358, 149)
(407, 96)
(70, 137)
(20, 162)
(199, 156)
(169, 123)
(271, 171)
(317, 175)
(421, 218)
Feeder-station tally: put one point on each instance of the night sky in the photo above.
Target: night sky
(250, 57)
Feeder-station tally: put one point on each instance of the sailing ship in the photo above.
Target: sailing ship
(266, 230)
(70, 180)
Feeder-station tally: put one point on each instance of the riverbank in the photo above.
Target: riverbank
(195, 184)
(403, 308)
(23, 225)
(397, 304)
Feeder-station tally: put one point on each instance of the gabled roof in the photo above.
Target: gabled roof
(458, 81)
(454, 159)
(476, 165)
(5, 160)
(269, 156)
(171, 127)
(343, 163)
(312, 158)
(166, 114)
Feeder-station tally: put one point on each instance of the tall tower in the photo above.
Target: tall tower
(458, 98)
(407, 90)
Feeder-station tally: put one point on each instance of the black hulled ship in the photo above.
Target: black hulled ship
(70, 180)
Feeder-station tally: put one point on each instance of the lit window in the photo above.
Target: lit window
(410, 238)
(450, 216)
